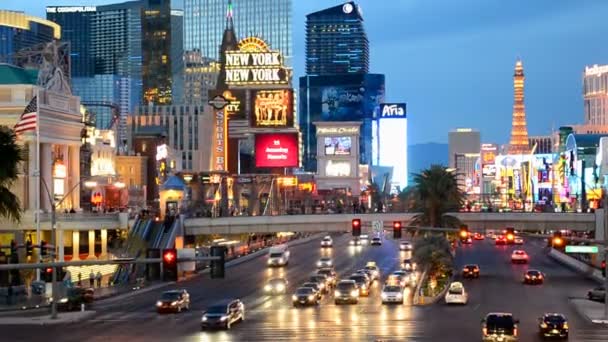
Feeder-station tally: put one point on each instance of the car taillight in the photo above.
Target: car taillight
(527, 276)
(540, 277)
(565, 325)
(514, 331)
(485, 331)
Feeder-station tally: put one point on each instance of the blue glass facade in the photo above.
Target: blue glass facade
(14, 37)
(346, 97)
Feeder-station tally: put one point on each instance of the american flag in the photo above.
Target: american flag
(28, 119)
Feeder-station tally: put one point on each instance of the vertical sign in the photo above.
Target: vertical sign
(219, 150)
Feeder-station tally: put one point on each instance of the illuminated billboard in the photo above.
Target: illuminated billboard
(337, 168)
(488, 159)
(272, 108)
(392, 150)
(392, 110)
(276, 150)
(337, 146)
(255, 64)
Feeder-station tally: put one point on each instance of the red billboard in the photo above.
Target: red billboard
(276, 150)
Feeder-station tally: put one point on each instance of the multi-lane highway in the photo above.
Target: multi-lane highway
(272, 318)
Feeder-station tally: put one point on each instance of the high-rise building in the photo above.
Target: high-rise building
(177, 56)
(205, 20)
(544, 144)
(462, 141)
(156, 51)
(595, 95)
(200, 76)
(519, 131)
(75, 22)
(336, 42)
(19, 31)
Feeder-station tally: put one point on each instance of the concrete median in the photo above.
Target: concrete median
(576, 265)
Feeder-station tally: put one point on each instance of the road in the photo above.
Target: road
(274, 319)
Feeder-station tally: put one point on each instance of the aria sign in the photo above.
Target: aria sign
(392, 110)
(254, 63)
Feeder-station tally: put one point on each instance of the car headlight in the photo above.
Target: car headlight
(173, 303)
(268, 288)
(383, 295)
(543, 325)
(363, 287)
(269, 261)
(63, 300)
(329, 263)
(354, 293)
(294, 297)
(223, 318)
(311, 297)
(351, 243)
(204, 319)
(280, 287)
(159, 303)
(337, 293)
(319, 263)
(281, 260)
(399, 295)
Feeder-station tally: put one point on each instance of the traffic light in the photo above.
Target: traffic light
(510, 233)
(397, 230)
(13, 247)
(29, 249)
(603, 268)
(356, 225)
(43, 248)
(557, 241)
(464, 232)
(48, 274)
(170, 264)
(217, 266)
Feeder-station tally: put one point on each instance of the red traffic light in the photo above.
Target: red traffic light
(169, 256)
(396, 224)
(603, 264)
(49, 270)
(356, 222)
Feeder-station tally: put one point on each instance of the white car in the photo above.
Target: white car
(374, 270)
(456, 294)
(405, 246)
(324, 262)
(327, 241)
(519, 256)
(392, 294)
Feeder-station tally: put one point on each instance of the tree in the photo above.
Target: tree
(432, 254)
(434, 193)
(12, 156)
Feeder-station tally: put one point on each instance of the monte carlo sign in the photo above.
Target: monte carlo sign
(254, 64)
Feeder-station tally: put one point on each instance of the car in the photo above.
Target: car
(327, 241)
(173, 301)
(519, 256)
(478, 236)
(466, 241)
(500, 240)
(75, 298)
(456, 294)
(276, 286)
(364, 238)
(499, 326)
(355, 242)
(304, 296)
(318, 287)
(405, 246)
(324, 262)
(330, 274)
(490, 235)
(409, 278)
(597, 294)
(321, 279)
(392, 294)
(373, 268)
(363, 283)
(408, 265)
(395, 280)
(518, 240)
(346, 292)
(376, 241)
(223, 314)
(553, 325)
(470, 271)
(533, 277)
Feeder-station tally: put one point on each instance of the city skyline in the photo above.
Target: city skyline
(474, 48)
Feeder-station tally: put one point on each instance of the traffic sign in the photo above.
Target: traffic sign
(582, 249)
(377, 226)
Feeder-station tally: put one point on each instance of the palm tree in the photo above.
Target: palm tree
(432, 253)
(11, 153)
(434, 193)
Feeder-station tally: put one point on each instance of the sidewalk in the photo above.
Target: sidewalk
(64, 317)
(592, 311)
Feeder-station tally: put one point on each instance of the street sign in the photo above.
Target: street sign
(582, 249)
(378, 226)
(219, 102)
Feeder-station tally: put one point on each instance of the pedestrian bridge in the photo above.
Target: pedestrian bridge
(342, 222)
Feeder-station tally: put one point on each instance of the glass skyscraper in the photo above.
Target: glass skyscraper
(177, 56)
(336, 42)
(156, 51)
(19, 31)
(205, 21)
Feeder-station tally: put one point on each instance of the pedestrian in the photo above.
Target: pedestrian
(92, 279)
(79, 279)
(98, 276)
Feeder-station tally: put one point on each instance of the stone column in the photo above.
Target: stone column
(46, 172)
(74, 175)
(75, 245)
(104, 244)
(91, 244)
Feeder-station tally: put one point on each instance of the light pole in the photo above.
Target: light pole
(54, 205)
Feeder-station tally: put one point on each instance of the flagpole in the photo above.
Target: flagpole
(37, 174)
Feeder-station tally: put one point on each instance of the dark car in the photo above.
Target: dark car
(315, 286)
(75, 297)
(553, 325)
(470, 271)
(276, 286)
(363, 283)
(597, 294)
(330, 274)
(376, 241)
(346, 292)
(223, 314)
(533, 277)
(499, 326)
(305, 296)
(173, 301)
(321, 279)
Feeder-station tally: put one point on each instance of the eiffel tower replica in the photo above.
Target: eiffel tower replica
(519, 133)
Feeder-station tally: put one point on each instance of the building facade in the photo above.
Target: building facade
(336, 42)
(177, 56)
(595, 95)
(75, 22)
(544, 144)
(462, 141)
(156, 52)
(205, 20)
(19, 31)
(199, 76)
